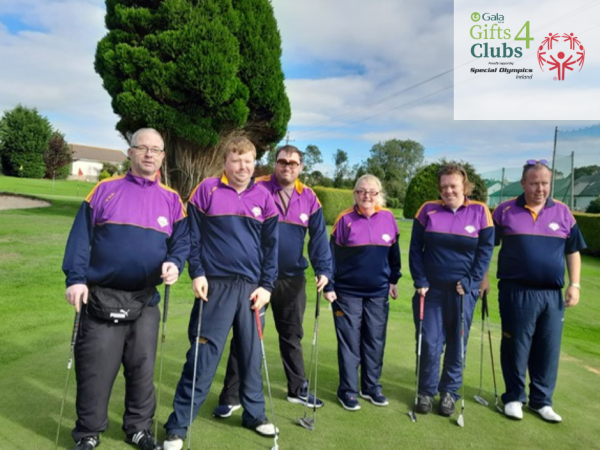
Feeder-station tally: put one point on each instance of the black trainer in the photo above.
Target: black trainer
(87, 443)
(143, 439)
(446, 404)
(424, 404)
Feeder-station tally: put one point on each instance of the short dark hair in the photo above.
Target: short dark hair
(451, 169)
(288, 149)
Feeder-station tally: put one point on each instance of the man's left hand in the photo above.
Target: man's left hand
(484, 287)
(170, 273)
(393, 291)
(321, 281)
(571, 296)
(260, 297)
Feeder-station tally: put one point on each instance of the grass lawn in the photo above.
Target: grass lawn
(35, 333)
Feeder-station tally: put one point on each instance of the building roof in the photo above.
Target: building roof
(97, 154)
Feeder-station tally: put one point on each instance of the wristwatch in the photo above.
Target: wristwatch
(576, 285)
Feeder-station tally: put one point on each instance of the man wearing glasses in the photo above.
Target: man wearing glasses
(130, 235)
(299, 212)
(537, 235)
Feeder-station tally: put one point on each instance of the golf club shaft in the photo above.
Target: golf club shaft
(264, 357)
(198, 329)
(419, 342)
(487, 315)
(462, 358)
(160, 365)
(481, 348)
(69, 365)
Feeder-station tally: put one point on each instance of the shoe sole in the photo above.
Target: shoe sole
(368, 397)
(299, 401)
(347, 408)
(225, 416)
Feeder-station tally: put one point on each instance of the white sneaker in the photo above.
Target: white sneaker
(514, 410)
(173, 443)
(266, 429)
(548, 414)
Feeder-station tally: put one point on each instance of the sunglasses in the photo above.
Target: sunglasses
(533, 162)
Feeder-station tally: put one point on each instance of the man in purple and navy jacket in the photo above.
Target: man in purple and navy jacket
(130, 234)
(233, 266)
(537, 234)
(299, 212)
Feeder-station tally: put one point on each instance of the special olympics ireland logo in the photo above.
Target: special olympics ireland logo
(561, 56)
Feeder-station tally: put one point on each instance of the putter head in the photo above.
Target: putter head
(412, 415)
(308, 423)
(481, 401)
(461, 421)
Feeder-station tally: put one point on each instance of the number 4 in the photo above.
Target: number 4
(526, 38)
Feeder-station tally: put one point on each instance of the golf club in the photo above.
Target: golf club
(264, 357)
(412, 414)
(484, 303)
(160, 364)
(69, 365)
(198, 329)
(478, 397)
(307, 422)
(461, 417)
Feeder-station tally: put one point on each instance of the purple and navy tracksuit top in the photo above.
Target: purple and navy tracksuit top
(304, 214)
(366, 253)
(447, 246)
(223, 222)
(534, 245)
(123, 232)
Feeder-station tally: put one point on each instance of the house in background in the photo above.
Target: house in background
(90, 160)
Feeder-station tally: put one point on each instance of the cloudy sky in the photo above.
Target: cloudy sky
(357, 73)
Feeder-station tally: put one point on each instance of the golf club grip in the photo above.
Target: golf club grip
(166, 301)
(75, 328)
(484, 306)
(258, 325)
(318, 305)
(421, 307)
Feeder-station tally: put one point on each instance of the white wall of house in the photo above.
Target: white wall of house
(91, 170)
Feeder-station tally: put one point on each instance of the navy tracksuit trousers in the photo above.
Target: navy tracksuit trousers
(360, 326)
(229, 305)
(442, 327)
(532, 323)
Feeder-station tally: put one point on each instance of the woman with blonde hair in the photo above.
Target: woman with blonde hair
(366, 256)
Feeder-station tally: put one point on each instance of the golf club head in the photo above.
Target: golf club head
(481, 400)
(412, 415)
(306, 422)
(461, 421)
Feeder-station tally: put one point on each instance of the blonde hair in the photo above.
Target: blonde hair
(239, 145)
(372, 179)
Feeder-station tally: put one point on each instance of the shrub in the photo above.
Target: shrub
(334, 201)
(594, 206)
(104, 175)
(589, 224)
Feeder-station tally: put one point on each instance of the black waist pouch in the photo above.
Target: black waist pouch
(116, 305)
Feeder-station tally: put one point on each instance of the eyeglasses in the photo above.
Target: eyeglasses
(143, 149)
(363, 192)
(291, 164)
(533, 162)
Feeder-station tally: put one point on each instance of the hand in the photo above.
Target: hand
(393, 291)
(422, 291)
(200, 288)
(77, 293)
(321, 281)
(460, 289)
(484, 287)
(260, 297)
(169, 273)
(330, 296)
(571, 296)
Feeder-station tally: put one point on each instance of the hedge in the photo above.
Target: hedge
(334, 201)
(589, 224)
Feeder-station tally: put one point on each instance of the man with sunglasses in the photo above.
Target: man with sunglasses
(537, 235)
(299, 212)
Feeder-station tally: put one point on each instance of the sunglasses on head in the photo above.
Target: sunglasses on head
(533, 162)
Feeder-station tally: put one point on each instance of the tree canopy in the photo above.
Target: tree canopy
(199, 72)
(424, 186)
(24, 136)
(57, 157)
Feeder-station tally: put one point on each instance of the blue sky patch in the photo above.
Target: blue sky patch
(15, 24)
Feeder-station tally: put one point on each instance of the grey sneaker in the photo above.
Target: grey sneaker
(424, 404)
(87, 443)
(446, 404)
